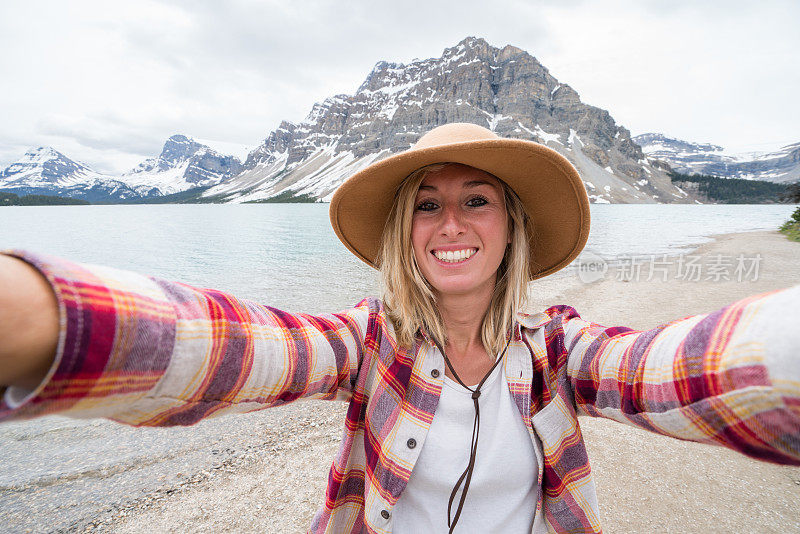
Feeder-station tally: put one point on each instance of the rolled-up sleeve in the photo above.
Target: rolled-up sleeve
(730, 378)
(145, 351)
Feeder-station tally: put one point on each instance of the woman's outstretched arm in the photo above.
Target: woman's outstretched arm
(731, 377)
(28, 324)
(150, 352)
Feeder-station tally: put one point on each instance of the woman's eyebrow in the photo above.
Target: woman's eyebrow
(476, 183)
(471, 183)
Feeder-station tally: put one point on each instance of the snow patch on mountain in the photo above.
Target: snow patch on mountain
(184, 163)
(237, 150)
(686, 157)
(46, 171)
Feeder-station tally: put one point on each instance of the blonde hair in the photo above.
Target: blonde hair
(409, 298)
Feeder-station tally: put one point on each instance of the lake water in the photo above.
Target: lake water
(58, 474)
(286, 255)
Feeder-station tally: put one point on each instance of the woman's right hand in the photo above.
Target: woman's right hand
(28, 324)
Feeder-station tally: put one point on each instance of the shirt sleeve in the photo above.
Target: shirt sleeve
(730, 378)
(149, 352)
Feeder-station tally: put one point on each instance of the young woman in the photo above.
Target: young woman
(462, 408)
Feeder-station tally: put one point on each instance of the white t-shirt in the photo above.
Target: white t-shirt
(503, 493)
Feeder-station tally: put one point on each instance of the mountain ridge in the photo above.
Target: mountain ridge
(46, 171)
(504, 89)
(781, 166)
(182, 164)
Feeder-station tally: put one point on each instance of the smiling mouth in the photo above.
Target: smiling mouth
(454, 256)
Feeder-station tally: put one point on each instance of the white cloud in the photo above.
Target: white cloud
(108, 82)
(708, 71)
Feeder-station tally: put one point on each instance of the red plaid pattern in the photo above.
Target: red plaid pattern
(144, 351)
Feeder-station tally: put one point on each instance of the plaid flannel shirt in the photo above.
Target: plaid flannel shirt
(145, 351)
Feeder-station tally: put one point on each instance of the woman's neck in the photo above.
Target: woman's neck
(462, 316)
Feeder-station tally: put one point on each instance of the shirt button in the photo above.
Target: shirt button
(411, 443)
(385, 514)
(435, 373)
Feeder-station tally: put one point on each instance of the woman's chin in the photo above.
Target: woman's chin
(462, 288)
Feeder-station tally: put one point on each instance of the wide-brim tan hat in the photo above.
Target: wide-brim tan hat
(548, 185)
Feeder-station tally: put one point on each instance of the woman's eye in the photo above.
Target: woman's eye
(426, 206)
(477, 202)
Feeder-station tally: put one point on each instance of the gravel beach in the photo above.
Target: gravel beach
(272, 479)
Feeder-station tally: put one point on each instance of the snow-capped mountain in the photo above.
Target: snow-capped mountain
(183, 164)
(782, 166)
(45, 171)
(504, 89)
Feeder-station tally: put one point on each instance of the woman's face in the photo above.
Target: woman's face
(459, 230)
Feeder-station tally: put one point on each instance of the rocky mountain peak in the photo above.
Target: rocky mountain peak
(705, 158)
(183, 163)
(474, 46)
(504, 89)
(509, 52)
(41, 154)
(46, 171)
(652, 140)
(178, 148)
(46, 162)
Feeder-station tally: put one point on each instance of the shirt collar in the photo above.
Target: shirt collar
(531, 321)
(422, 333)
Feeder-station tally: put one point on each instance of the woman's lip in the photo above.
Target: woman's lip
(453, 263)
(448, 248)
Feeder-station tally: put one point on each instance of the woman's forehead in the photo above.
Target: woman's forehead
(456, 175)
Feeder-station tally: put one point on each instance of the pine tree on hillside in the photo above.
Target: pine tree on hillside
(792, 193)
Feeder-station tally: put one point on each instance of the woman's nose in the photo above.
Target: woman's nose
(452, 221)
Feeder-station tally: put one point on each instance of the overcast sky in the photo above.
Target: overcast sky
(107, 82)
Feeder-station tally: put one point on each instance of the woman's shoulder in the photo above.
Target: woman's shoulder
(371, 303)
(532, 318)
(378, 320)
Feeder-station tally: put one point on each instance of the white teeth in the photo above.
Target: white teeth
(453, 256)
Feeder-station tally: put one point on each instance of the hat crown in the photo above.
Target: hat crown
(457, 132)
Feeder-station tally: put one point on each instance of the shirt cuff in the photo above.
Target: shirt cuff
(73, 356)
(14, 397)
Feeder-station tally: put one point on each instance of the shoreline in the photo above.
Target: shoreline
(608, 299)
(667, 485)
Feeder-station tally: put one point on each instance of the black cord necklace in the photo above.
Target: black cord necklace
(466, 476)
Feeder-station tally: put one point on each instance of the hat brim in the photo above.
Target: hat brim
(547, 184)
